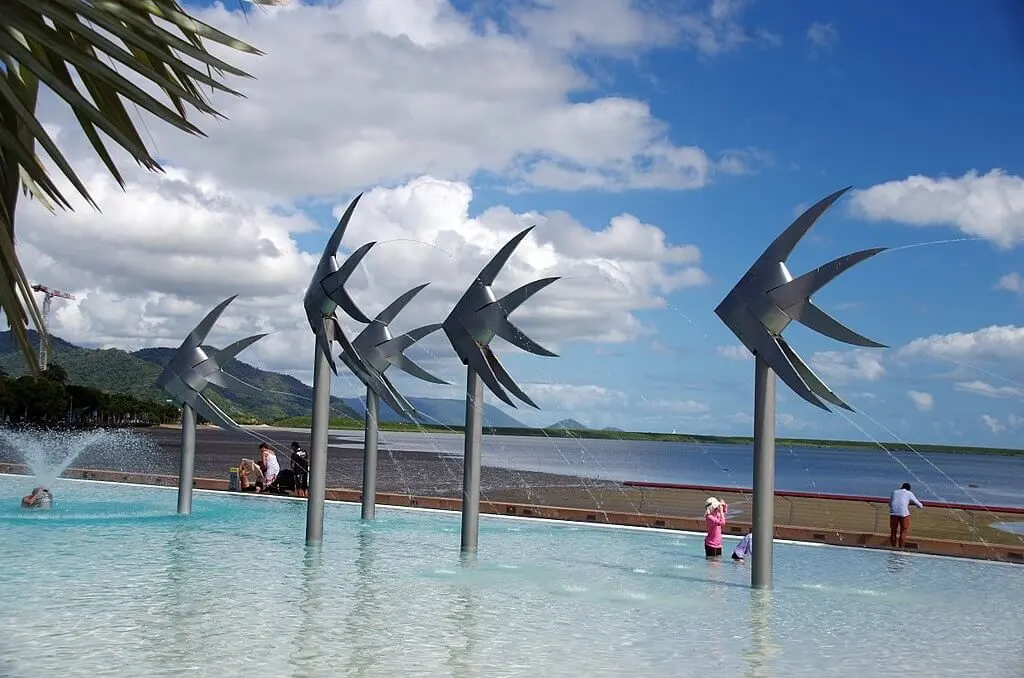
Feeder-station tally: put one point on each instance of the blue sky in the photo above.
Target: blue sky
(789, 101)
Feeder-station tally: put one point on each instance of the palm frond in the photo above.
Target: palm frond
(73, 48)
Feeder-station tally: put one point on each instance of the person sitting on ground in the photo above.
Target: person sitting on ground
(714, 518)
(300, 467)
(899, 514)
(744, 548)
(32, 499)
(250, 476)
(268, 461)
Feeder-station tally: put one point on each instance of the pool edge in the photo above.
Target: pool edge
(806, 536)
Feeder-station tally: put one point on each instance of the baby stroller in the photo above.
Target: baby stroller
(283, 484)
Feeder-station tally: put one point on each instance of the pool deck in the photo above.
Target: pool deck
(859, 523)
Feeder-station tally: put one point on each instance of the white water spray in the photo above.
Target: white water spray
(49, 453)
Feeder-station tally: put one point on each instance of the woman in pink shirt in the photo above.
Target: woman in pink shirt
(714, 518)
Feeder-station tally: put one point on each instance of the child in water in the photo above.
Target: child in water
(744, 548)
(714, 517)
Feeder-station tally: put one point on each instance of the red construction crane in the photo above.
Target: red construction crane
(49, 293)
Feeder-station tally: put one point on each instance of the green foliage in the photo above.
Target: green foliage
(108, 370)
(102, 58)
(49, 399)
(134, 374)
(283, 396)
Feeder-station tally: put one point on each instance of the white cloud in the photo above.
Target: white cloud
(845, 366)
(170, 247)
(995, 343)
(365, 92)
(736, 352)
(787, 423)
(924, 402)
(993, 424)
(822, 36)
(997, 425)
(1011, 282)
(989, 206)
(572, 397)
(677, 405)
(988, 390)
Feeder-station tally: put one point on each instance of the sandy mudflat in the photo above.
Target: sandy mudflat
(421, 473)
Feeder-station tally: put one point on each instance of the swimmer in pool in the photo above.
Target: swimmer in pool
(31, 500)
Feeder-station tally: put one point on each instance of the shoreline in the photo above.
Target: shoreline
(347, 425)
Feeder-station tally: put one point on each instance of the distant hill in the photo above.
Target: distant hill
(268, 407)
(441, 411)
(569, 425)
(613, 429)
(116, 371)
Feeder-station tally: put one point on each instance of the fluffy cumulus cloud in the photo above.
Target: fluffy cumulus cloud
(846, 366)
(364, 92)
(574, 398)
(170, 247)
(1001, 425)
(989, 206)
(998, 343)
(410, 102)
(924, 402)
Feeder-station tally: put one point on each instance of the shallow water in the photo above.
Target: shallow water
(112, 582)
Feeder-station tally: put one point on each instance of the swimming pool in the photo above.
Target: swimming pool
(112, 582)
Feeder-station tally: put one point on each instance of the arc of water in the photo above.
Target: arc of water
(380, 350)
(767, 299)
(188, 373)
(479, 316)
(475, 320)
(757, 310)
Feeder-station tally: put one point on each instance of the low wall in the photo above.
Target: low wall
(814, 534)
(711, 489)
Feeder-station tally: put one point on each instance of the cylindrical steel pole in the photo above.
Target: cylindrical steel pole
(764, 475)
(187, 463)
(318, 449)
(471, 461)
(370, 455)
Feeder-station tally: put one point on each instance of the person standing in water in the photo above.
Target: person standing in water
(714, 519)
(899, 515)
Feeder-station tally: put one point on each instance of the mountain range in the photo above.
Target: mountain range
(115, 371)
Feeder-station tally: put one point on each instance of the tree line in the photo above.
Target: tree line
(49, 400)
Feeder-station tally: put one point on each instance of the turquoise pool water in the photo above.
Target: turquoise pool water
(112, 583)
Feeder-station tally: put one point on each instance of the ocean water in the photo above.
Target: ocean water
(111, 582)
(963, 478)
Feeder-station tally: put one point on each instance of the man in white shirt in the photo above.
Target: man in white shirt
(899, 514)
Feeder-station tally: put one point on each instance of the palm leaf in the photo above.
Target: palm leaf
(74, 49)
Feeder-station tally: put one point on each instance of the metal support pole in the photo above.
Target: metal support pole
(764, 475)
(187, 463)
(370, 455)
(471, 461)
(318, 449)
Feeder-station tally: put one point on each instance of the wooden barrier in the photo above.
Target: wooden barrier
(648, 514)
